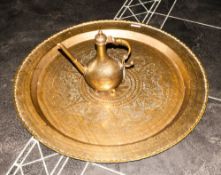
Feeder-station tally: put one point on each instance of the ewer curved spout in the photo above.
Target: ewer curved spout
(74, 60)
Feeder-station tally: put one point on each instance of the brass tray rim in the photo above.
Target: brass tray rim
(138, 157)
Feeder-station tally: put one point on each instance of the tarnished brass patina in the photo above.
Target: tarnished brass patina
(102, 73)
(158, 103)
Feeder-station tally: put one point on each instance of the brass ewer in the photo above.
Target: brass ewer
(102, 73)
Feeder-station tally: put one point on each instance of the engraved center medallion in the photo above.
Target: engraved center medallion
(128, 90)
(137, 102)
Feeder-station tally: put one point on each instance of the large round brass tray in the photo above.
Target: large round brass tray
(160, 101)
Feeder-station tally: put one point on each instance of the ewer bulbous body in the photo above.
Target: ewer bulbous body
(102, 73)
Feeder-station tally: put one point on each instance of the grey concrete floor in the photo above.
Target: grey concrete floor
(24, 24)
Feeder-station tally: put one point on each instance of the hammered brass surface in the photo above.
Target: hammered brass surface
(159, 102)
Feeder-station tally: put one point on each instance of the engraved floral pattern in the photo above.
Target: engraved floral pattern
(132, 97)
(137, 101)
